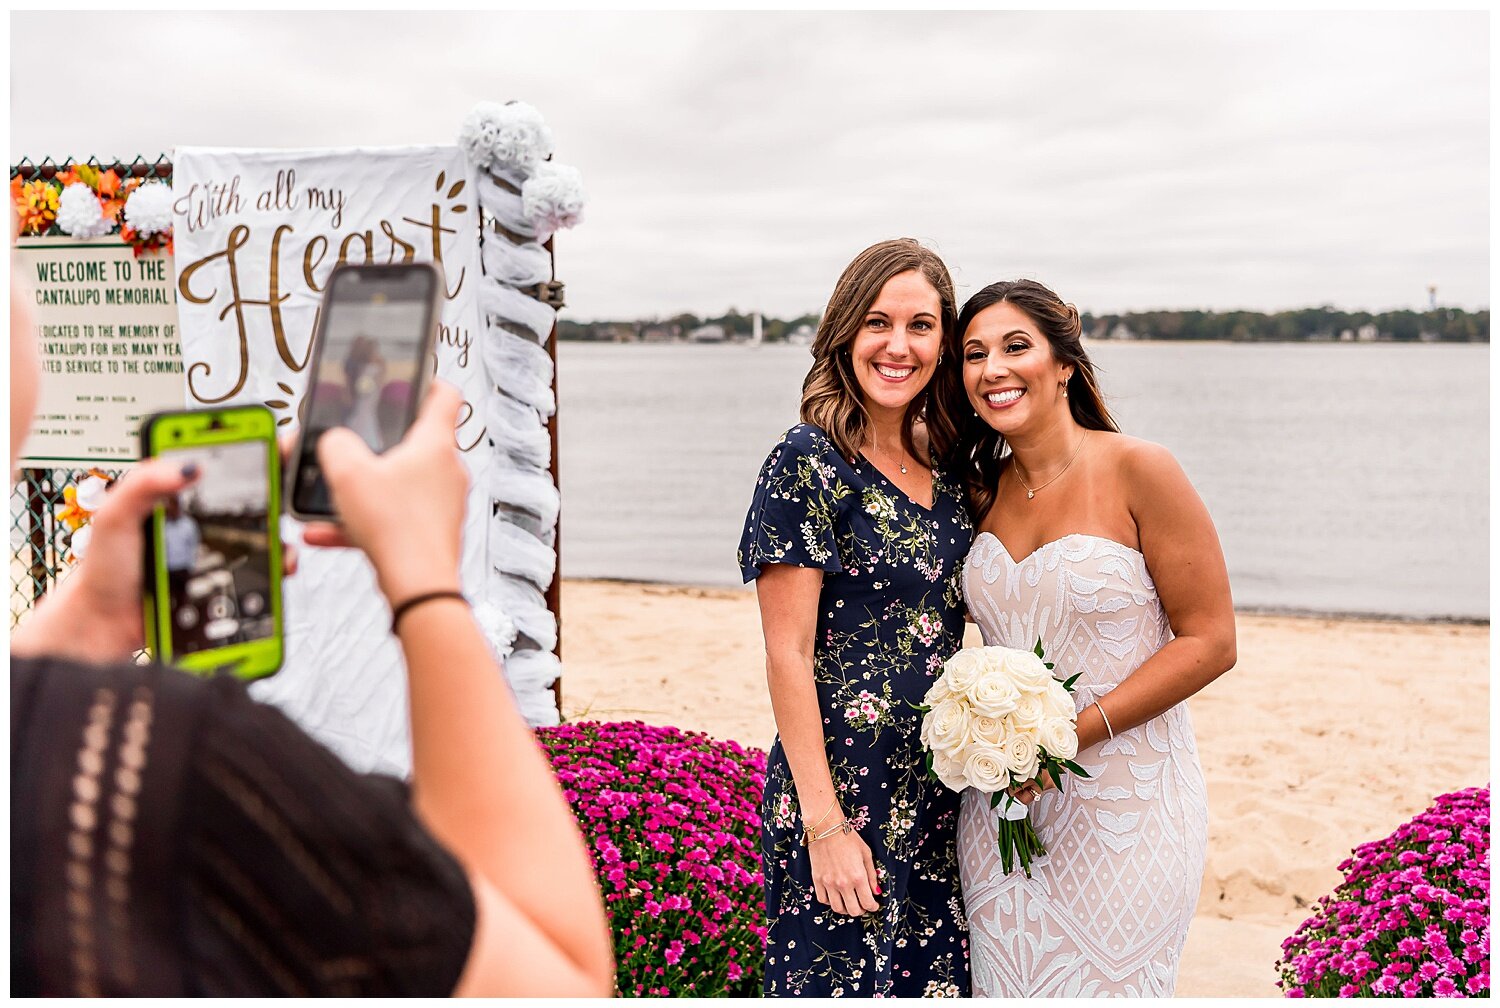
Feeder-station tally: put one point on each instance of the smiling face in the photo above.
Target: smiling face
(1013, 380)
(895, 353)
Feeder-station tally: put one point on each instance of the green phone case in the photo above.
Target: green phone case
(163, 433)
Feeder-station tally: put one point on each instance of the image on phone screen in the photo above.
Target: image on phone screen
(373, 334)
(218, 551)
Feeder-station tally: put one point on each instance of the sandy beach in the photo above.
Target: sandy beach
(1324, 735)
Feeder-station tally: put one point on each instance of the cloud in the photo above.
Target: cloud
(1131, 160)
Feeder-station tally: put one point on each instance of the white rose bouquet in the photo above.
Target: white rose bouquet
(997, 718)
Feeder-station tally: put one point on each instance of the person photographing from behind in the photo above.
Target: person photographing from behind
(171, 836)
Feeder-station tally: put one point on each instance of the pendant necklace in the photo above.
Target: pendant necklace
(1031, 491)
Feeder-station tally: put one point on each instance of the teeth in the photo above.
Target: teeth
(1008, 396)
(891, 372)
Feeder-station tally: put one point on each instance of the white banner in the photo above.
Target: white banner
(257, 233)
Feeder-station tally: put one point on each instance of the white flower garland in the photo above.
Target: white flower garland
(149, 209)
(80, 214)
(509, 137)
(552, 198)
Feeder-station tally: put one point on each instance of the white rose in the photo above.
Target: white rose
(949, 771)
(945, 728)
(1027, 671)
(937, 693)
(89, 494)
(987, 769)
(986, 730)
(1058, 702)
(964, 669)
(1021, 755)
(994, 695)
(1028, 713)
(1059, 738)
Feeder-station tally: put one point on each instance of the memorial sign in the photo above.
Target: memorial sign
(106, 328)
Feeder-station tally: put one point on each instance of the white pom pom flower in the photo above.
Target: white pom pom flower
(149, 209)
(90, 494)
(78, 542)
(80, 214)
(552, 198)
(497, 626)
(509, 137)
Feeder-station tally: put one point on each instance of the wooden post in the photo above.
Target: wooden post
(554, 590)
(36, 537)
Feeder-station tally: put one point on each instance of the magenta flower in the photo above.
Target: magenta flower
(673, 820)
(1414, 904)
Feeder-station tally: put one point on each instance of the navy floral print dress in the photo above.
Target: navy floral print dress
(889, 615)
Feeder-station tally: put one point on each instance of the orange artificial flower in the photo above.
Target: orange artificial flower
(69, 513)
(36, 205)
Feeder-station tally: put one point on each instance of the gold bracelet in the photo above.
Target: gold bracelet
(831, 806)
(842, 826)
(1107, 726)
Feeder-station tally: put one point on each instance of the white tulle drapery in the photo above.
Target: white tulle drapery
(509, 145)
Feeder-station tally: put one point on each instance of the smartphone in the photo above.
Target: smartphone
(213, 574)
(372, 359)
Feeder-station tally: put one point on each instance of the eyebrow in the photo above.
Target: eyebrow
(920, 314)
(1014, 332)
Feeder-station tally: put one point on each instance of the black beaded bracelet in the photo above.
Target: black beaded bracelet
(412, 603)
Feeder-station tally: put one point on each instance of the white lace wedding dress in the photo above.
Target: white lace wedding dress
(1107, 909)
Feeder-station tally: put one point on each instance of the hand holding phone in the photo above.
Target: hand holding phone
(213, 588)
(371, 361)
(404, 508)
(95, 614)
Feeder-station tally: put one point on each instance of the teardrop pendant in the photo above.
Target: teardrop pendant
(903, 470)
(1030, 494)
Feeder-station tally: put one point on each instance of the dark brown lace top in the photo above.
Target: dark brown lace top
(171, 836)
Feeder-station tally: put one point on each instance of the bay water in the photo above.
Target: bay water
(1342, 478)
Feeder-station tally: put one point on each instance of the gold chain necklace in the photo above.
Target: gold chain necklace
(888, 458)
(1031, 491)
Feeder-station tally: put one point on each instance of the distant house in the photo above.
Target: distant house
(659, 332)
(1122, 331)
(802, 335)
(710, 333)
(1367, 333)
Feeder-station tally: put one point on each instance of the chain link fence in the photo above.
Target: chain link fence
(39, 542)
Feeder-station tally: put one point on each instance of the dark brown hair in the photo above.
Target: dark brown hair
(831, 396)
(978, 446)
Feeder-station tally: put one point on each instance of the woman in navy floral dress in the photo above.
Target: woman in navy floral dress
(857, 543)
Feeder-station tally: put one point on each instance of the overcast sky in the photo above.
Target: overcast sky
(1131, 161)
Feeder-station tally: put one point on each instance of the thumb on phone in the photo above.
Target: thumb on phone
(439, 412)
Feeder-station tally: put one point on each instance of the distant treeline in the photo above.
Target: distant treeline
(1444, 325)
(1325, 324)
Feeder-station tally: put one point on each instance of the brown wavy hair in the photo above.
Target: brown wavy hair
(831, 396)
(977, 450)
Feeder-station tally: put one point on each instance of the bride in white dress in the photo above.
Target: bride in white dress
(1096, 544)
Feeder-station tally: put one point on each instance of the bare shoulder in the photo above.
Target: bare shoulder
(1136, 459)
(1148, 473)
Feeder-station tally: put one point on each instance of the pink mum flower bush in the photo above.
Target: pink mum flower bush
(1410, 919)
(673, 823)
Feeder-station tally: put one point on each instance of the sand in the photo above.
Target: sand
(1328, 733)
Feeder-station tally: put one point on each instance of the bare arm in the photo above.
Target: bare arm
(481, 783)
(1182, 551)
(843, 869)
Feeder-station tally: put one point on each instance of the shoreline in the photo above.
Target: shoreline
(1290, 612)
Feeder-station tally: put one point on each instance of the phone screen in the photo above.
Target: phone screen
(373, 336)
(216, 540)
